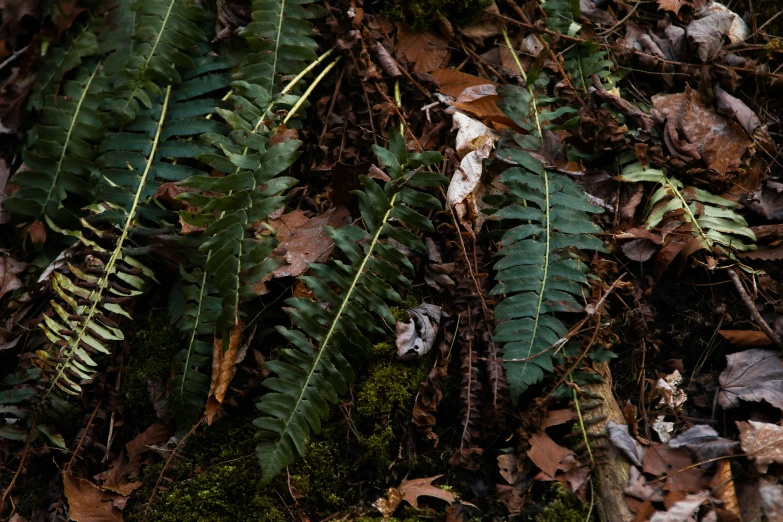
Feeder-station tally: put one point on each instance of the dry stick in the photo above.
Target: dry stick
(166, 465)
(754, 313)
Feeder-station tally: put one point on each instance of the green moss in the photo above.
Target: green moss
(400, 313)
(319, 478)
(221, 493)
(421, 14)
(563, 506)
(150, 358)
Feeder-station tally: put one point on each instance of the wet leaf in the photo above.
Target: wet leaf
(411, 490)
(753, 375)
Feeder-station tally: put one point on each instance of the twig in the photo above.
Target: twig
(754, 313)
(13, 57)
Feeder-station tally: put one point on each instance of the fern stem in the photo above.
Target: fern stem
(310, 89)
(195, 329)
(581, 422)
(306, 70)
(524, 77)
(546, 264)
(68, 135)
(95, 296)
(687, 208)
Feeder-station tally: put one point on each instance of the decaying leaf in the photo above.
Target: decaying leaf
(411, 490)
(695, 131)
(704, 442)
(667, 389)
(509, 468)
(619, 436)
(9, 269)
(771, 499)
(753, 375)
(388, 505)
(222, 370)
(639, 488)
(416, 337)
(723, 488)
(89, 503)
(763, 443)
(676, 464)
(663, 428)
(546, 453)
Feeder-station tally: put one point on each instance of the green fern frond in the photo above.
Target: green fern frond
(81, 328)
(165, 41)
(350, 296)
(250, 191)
(192, 365)
(281, 40)
(539, 272)
(562, 15)
(583, 61)
(60, 60)
(715, 225)
(64, 143)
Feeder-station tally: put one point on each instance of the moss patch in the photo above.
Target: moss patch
(562, 506)
(422, 14)
(151, 352)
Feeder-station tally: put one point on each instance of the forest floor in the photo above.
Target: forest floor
(662, 402)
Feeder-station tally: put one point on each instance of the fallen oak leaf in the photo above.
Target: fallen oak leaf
(453, 83)
(411, 490)
(116, 477)
(222, 370)
(424, 49)
(387, 505)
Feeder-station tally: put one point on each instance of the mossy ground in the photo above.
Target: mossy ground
(422, 14)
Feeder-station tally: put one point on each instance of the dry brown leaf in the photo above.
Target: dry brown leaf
(681, 511)
(763, 442)
(37, 233)
(695, 131)
(426, 50)
(452, 83)
(669, 5)
(307, 241)
(89, 503)
(509, 468)
(675, 463)
(723, 489)
(546, 453)
(222, 370)
(9, 268)
(754, 375)
(746, 337)
(557, 417)
(622, 440)
(388, 504)
(485, 109)
(411, 490)
(116, 477)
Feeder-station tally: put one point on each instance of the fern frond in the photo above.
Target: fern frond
(350, 295)
(562, 15)
(82, 328)
(64, 143)
(585, 60)
(249, 192)
(281, 40)
(60, 60)
(190, 386)
(539, 272)
(714, 224)
(166, 37)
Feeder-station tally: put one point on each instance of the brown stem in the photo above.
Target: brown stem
(754, 313)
